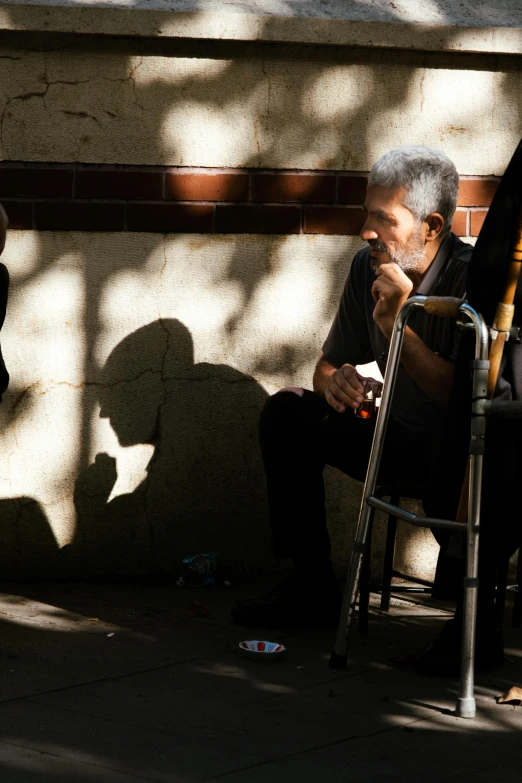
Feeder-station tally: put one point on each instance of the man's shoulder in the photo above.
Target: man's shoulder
(453, 277)
(460, 251)
(360, 265)
(362, 256)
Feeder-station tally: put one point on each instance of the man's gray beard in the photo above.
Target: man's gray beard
(408, 258)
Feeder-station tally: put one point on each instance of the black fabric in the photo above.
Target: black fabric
(500, 508)
(4, 290)
(501, 515)
(488, 269)
(298, 437)
(355, 338)
(489, 266)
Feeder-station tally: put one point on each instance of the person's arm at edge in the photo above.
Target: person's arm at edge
(4, 273)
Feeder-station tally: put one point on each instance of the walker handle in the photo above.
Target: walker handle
(443, 306)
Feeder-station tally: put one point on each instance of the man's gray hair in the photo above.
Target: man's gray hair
(428, 176)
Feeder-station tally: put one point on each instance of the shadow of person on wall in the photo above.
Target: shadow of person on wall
(204, 488)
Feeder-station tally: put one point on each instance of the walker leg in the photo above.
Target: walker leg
(339, 655)
(466, 707)
(516, 617)
(364, 585)
(389, 554)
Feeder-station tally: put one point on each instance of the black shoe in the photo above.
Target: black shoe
(286, 605)
(442, 655)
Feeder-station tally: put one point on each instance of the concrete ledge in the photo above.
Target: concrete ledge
(440, 25)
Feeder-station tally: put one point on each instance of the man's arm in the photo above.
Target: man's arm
(335, 379)
(322, 375)
(433, 374)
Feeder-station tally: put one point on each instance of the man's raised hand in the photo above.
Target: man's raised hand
(390, 290)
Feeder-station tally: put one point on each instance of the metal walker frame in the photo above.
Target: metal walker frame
(442, 307)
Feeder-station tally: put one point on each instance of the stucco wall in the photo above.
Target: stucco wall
(230, 104)
(140, 362)
(139, 366)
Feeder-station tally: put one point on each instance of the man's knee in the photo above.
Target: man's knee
(292, 408)
(293, 389)
(281, 405)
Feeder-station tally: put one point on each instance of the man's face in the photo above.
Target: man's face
(392, 231)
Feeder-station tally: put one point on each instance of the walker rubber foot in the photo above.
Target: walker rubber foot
(338, 661)
(466, 708)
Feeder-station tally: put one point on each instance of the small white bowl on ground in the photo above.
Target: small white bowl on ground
(262, 651)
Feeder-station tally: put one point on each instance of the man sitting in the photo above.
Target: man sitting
(410, 203)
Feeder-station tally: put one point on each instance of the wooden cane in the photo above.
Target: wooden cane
(502, 324)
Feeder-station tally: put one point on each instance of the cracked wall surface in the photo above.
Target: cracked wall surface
(173, 360)
(275, 108)
(140, 362)
(179, 368)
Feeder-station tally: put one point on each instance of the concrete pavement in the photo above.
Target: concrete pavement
(126, 683)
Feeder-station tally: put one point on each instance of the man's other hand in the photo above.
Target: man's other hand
(390, 291)
(346, 388)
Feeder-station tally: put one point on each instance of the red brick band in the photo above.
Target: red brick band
(78, 197)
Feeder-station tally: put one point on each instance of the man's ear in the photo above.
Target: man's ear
(435, 224)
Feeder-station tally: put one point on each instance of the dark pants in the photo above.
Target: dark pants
(500, 513)
(299, 435)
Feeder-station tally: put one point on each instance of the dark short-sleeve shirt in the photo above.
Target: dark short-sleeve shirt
(355, 338)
